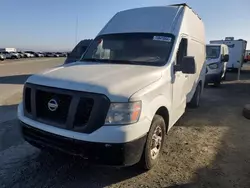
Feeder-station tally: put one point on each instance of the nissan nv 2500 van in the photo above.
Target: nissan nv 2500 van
(133, 83)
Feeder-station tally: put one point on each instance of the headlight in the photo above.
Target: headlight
(123, 113)
(213, 66)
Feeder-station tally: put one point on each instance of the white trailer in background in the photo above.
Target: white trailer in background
(237, 50)
(8, 50)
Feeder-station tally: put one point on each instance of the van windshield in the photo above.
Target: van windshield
(213, 52)
(131, 48)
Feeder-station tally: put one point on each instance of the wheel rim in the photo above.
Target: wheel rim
(156, 142)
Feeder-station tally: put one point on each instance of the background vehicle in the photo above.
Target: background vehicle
(49, 54)
(2, 57)
(247, 56)
(59, 54)
(32, 54)
(15, 55)
(237, 50)
(22, 54)
(8, 55)
(78, 51)
(152, 65)
(217, 57)
(39, 54)
(27, 54)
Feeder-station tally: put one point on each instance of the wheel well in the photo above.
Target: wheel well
(163, 112)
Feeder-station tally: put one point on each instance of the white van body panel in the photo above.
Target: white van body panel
(155, 87)
(148, 19)
(236, 49)
(97, 78)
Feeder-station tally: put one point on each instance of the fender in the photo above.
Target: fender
(158, 102)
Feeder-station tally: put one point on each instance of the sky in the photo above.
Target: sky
(51, 24)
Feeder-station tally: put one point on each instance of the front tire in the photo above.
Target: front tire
(195, 102)
(154, 143)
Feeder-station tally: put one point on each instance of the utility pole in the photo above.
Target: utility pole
(239, 68)
(76, 31)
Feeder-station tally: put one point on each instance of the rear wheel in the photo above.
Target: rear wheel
(154, 143)
(195, 102)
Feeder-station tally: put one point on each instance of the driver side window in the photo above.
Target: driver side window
(182, 51)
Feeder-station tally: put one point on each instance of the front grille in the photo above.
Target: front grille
(43, 111)
(27, 100)
(72, 110)
(83, 111)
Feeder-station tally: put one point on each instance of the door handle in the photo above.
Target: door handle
(186, 76)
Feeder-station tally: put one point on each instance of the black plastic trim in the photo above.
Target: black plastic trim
(97, 116)
(118, 154)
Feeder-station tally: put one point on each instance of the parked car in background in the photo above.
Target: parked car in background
(65, 54)
(56, 54)
(9, 55)
(247, 56)
(15, 55)
(21, 54)
(59, 54)
(49, 54)
(2, 57)
(78, 51)
(32, 54)
(217, 57)
(29, 54)
(38, 54)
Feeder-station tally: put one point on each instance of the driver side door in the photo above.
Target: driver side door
(179, 82)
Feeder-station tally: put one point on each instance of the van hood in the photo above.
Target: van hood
(117, 81)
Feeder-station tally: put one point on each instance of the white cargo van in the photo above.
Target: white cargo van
(117, 103)
(237, 50)
(217, 57)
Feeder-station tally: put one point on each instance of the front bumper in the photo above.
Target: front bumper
(211, 78)
(118, 154)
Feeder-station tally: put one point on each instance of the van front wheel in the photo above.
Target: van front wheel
(154, 143)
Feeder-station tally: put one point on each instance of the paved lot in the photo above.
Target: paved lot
(208, 147)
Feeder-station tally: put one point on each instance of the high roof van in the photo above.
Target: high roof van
(217, 57)
(116, 104)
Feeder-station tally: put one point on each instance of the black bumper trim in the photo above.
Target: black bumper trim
(211, 78)
(122, 154)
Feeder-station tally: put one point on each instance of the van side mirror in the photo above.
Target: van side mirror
(187, 66)
(225, 58)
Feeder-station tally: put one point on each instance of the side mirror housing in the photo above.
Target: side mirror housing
(187, 66)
